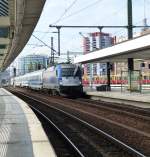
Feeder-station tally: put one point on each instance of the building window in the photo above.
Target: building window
(95, 69)
(88, 69)
(142, 65)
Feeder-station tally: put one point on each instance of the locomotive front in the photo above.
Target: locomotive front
(69, 78)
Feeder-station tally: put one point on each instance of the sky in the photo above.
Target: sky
(85, 12)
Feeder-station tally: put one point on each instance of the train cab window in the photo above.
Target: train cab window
(66, 72)
(56, 73)
(78, 72)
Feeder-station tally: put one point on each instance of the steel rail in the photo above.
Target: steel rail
(111, 108)
(130, 149)
(68, 140)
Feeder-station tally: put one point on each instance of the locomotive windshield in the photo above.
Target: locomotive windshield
(67, 72)
(77, 72)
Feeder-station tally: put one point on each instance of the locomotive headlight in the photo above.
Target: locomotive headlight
(80, 82)
(60, 82)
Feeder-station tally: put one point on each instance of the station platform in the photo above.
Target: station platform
(130, 98)
(21, 133)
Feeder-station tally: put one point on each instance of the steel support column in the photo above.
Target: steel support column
(130, 64)
(108, 76)
(130, 71)
(58, 28)
(100, 37)
(52, 52)
(130, 25)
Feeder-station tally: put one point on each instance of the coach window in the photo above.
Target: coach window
(56, 73)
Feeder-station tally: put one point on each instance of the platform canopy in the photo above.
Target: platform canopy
(18, 19)
(137, 48)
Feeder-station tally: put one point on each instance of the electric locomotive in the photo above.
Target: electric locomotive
(63, 79)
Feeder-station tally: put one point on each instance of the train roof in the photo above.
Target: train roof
(31, 73)
(63, 65)
(60, 65)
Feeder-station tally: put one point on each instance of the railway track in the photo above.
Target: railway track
(90, 140)
(124, 107)
(61, 143)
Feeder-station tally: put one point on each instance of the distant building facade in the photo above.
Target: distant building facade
(101, 40)
(97, 40)
(143, 66)
(93, 42)
(31, 63)
(86, 45)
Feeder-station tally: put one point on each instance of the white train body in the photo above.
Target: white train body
(35, 80)
(50, 80)
(63, 78)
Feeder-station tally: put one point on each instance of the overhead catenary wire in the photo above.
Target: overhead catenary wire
(112, 14)
(34, 45)
(66, 10)
(140, 21)
(45, 32)
(45, 44)
(80, 10)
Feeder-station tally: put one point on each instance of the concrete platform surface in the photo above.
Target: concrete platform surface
(135, 99)
(21, 133)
